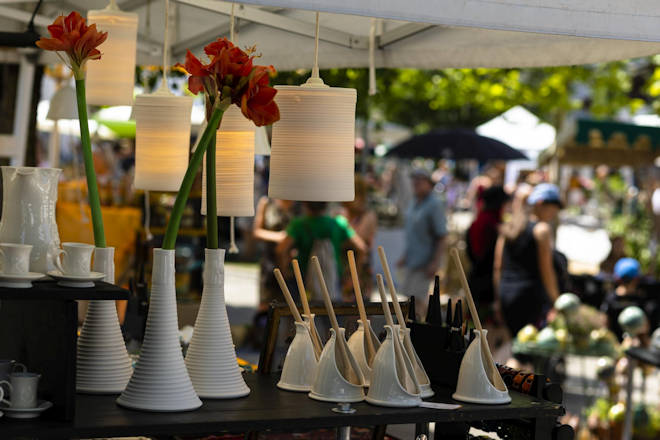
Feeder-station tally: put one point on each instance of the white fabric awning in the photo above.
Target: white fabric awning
(410, 33)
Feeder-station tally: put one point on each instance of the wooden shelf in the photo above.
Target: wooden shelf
(266, 407)
(49, 290)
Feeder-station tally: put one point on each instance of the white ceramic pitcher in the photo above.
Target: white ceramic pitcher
(28, 212)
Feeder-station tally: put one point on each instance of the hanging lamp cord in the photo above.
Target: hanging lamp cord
(315, 69)
(232, 24)
(166, 41)
(233, 248)
(372, 58)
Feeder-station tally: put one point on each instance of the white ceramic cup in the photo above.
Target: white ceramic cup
(76, 259)
(7, 367)
(15, 258)
(22, 390)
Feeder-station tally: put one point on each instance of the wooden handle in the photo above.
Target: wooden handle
(398, 355)
(316, 339)
(390, 285)
(287, 295)
(330, 310)
(301, 286)
(360, 303)
(383, 300)
(468, 294)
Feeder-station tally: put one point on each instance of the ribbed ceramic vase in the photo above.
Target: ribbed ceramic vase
(211, 358)
(103, 365)
(160, 381)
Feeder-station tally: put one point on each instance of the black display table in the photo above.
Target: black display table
(268, 408)
(39, 326)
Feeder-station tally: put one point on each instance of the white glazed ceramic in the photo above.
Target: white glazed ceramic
(28, 212)
(473, 385)
(102, 365)
(22, 390)
(420, 373)
(160, 381)
(22, 281)
(357, 343)
(7, 367)
(309, 320)
(389, 386)
(331, 384)
(15, 258)
(211, 358)
(75, 280)
(76, 259)
(300, 363)
(27, 413)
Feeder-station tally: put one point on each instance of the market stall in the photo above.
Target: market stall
(102, 391)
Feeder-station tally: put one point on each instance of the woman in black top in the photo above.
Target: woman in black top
(525, 277)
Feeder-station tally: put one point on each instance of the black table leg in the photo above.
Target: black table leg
(543, 427)
(451, 431)
(421, 428)
(379, 432)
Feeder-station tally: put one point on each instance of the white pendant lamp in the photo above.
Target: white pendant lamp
(162, 135)
(234, 166)
(162, 139)
(312, 150)
(111, 79)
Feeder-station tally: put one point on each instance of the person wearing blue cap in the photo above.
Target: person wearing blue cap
(627, 273)
(526, 269)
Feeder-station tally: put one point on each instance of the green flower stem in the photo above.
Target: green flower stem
(195, 161)
(92, 186)
(211, 210)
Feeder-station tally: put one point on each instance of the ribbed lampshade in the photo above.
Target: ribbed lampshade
(63, 104)
(110, 80)
(234, 166)
(162, 140)
(312, 150)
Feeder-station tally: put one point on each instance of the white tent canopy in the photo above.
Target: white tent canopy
(520, 129)
(412, 33)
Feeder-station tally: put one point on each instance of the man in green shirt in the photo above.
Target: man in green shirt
(316, 233)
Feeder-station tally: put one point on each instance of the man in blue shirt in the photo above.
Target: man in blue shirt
(426, 229)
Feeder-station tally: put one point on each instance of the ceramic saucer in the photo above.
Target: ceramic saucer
(26, 413)
(76, 280)
(19, 281)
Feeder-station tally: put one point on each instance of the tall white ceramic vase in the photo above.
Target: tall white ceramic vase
(103, 365)
(160, 381)
(211, 358)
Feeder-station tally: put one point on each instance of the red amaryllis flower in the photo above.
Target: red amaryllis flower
(257, 103)
(71, 35)
(197, 71)
(231, 75)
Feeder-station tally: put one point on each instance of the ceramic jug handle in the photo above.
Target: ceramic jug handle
(56, 259)
(21, 366)
(2, 392)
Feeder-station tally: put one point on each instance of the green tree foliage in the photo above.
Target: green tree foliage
(425, 99)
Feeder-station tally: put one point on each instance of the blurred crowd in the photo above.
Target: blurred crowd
(515, 270)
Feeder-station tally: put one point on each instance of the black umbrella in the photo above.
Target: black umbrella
(455, 144)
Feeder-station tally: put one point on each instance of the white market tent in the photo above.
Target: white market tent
(411, 33)
(522, 130)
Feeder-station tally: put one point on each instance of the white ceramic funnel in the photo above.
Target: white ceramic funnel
(389, 386)
(300, 364)
(357, 343)
(331, 383)
(474, 386)
(420, 373)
